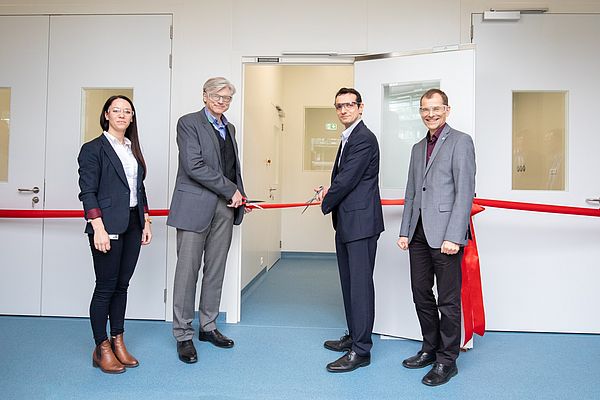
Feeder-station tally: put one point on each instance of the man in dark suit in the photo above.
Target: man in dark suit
(435, 227)
(354, 202)
(207, 202)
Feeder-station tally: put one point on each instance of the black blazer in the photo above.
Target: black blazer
(353, 198)
(104, 187)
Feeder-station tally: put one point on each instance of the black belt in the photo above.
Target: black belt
(134, 208)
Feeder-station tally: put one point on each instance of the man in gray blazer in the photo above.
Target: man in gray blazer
(435, 227)
(207, 202)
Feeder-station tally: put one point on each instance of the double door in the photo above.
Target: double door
(59, 71)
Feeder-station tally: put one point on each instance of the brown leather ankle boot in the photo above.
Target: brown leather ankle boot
(121, 352)
(104, 358)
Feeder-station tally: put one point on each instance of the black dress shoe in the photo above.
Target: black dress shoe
(187, 352)
(344, 344)
(419, 360)
(349, 362)
(216, 338)
(439, 374)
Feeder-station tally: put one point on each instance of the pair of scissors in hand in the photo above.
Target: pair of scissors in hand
(252, 203)
(314, 198)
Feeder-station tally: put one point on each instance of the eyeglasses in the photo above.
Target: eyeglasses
(347, 106)
(118, 110)
(218, 98)
(436, 110)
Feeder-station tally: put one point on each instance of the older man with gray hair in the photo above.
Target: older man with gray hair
(208, 200)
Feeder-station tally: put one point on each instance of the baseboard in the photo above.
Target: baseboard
(307, 255)
(253, 284)
(222, 318)
(289, 255)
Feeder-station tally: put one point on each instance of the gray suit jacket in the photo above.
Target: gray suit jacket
(200, 180)
(442, 190)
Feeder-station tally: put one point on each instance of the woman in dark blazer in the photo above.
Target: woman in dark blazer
(111, 178)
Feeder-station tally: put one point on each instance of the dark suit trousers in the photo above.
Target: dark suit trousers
(440, 322)
(113, 271)
(356, 261)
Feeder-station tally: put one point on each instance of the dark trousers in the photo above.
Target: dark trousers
(113, 271)
(356, 261)
(440, 322)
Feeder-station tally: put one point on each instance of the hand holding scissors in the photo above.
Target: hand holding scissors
(251, 204)
(322, 192)
(316, 197)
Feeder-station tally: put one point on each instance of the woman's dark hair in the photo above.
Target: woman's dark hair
(131, 132)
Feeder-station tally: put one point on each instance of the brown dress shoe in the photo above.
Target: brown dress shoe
(118, 347)
(104, 358)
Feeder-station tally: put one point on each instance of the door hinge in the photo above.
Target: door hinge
(280, 244)
(171, 32)
(165, 296)
(171, 61)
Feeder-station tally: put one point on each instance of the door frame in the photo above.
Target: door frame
(305, 59)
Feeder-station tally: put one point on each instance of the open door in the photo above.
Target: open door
(391, 86)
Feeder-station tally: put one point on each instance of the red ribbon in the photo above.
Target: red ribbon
(471, 291)
(472, 295)
(537, 207)
(511, 205)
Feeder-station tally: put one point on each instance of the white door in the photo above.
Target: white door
(97, 52)
(391, 89)
(539, 271)
(260, 137)
(22, 135)
(273, 194)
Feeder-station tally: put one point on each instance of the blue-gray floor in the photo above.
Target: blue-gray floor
(278, 354)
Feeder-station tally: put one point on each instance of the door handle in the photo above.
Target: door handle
(35, 189)
(593, 200)
(271, 190)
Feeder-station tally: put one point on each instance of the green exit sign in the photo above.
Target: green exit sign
(331, 126)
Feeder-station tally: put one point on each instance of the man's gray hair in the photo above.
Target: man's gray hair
(213, 85)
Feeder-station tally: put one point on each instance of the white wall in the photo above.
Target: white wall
(210, 41)
(262, 90)
(467, 7)
(306, 87)
(292, 87)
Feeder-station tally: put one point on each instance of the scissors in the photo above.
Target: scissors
(246, 201)
(314, 198)
(253, 203)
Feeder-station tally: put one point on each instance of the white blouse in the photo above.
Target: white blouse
(130, 165)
